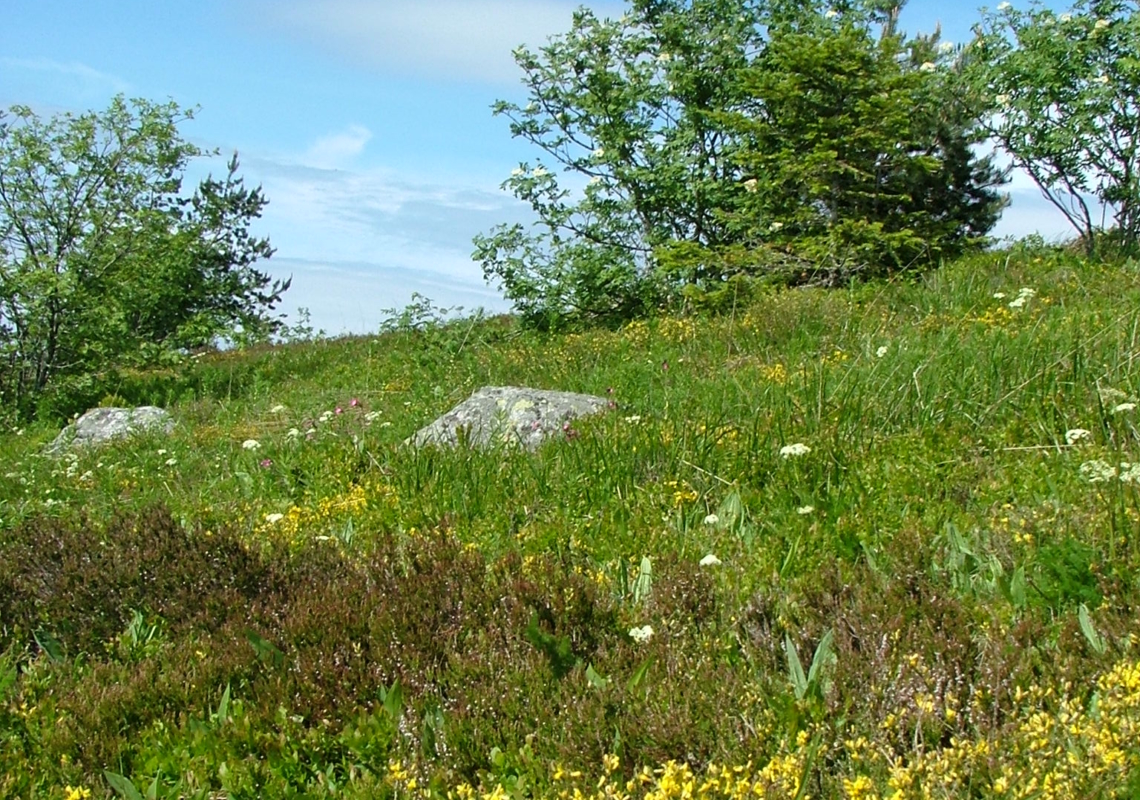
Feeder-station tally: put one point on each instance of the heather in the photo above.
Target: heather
(868, 542)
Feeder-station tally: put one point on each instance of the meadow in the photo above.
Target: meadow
(872, 542)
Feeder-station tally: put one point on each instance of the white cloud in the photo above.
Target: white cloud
(338, 149)
(457, 39)
(348, 297)
(360, 241)
(71, 77)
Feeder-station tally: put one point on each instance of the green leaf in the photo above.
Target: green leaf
(223, 712)
(644, 584)
(394, 701)
(639, 675)
(731, 511)
(1095, 640)
(49, 644)
(432, 732)
(796, 674)
(122, 786)
(823, 659)
(595, 680)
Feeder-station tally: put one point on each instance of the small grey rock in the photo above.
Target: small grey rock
(508, 415)
(103, 424)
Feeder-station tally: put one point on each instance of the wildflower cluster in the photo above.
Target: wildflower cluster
(1058, 748)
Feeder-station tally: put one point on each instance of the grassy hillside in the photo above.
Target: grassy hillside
(882, 542)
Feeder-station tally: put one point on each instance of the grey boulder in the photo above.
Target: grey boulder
(513, 415)
(104, 424)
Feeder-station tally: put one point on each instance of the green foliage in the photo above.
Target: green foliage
(857, 151)
(1062, 92)
(686, 131)
(104, 262)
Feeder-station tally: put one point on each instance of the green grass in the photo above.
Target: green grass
(331, 612)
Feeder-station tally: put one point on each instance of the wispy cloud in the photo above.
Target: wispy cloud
(358, 241)
(342, 297)
(457, 39)
(338, 149)
(87, 80)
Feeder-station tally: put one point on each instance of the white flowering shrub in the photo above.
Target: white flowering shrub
(1063, 89)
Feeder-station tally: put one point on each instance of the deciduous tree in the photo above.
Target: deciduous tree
(104, 260)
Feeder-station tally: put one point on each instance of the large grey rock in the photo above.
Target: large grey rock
(103, 424)
(509, 415)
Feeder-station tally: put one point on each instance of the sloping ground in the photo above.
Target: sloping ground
(877, 542)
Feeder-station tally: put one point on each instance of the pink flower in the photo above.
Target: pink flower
(266, 462)
(354, 403)
(339, 410)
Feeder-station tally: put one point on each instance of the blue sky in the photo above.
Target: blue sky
(367, 122)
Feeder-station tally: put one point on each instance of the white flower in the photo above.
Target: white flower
(1004, 6)
(1023, 296)
(1100, 24)
(385, 424)
(636, 418)
(710, 561)
(272, 518)
(1129, 473)
(751, 185)
(805, 510)
(372, 416)
(325, 417)
(1122, 407)
(946, 47)
(1097, 471)
(601, 151)
(250, 444)
(882, 351)
(594, 181)
(641, 635)
(161, 451)
(277, 409)
(831, 13)
(540, 172)
(517, 171)
(793, 450)
(1100, 79)
(712, 519)
(292, 433)
(1066, 17)
(1001, 100)
(928, 66)
(775, 226)
(1077, 435)
(664, 57)
(170, 462)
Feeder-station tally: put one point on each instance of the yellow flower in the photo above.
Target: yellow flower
(860, 788)
(77, 793)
